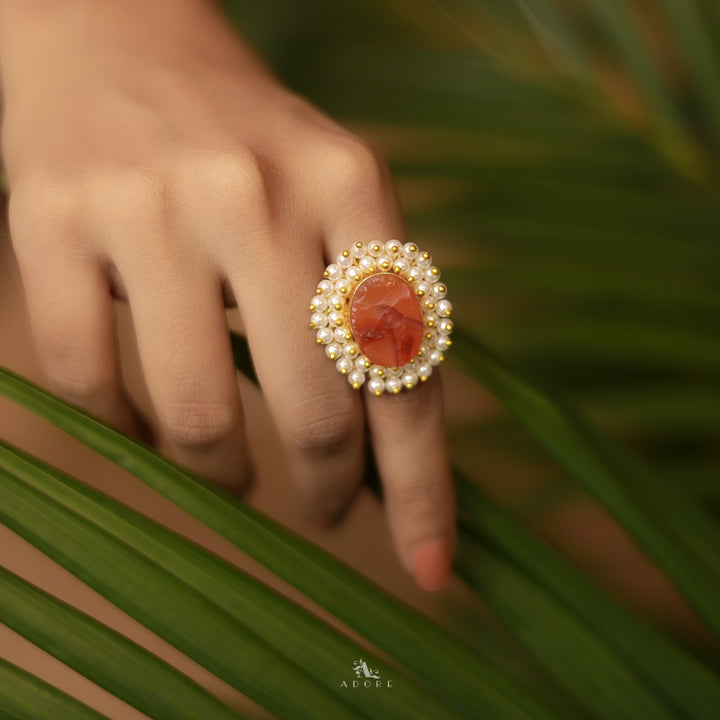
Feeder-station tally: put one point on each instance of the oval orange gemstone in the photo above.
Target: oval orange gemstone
(386, 320)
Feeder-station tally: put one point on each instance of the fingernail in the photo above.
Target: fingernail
(431, 565)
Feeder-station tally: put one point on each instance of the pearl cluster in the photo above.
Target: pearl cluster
(331, 318)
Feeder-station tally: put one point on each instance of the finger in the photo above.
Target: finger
(73, 323)
(187, 362)
(407, 430)
(319, 417)
(408, 434)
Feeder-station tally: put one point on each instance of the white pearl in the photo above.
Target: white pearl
(341, 336)
(358, 249)
(424, 287)
(334, 300)
(392, 372)
(435, 358)
(439, 290)
(326, 287)
(424, 371)
(393, 385)
(402, 264)
(351, 349)
(318, 320)
(334, 272)
(377, 371)
(446, 326)
(444, 307)
(443, 343)
(342, 287)
(424, 261)
(410, 379)
(385, 263)
(376, 386)
(344, 261)
(410, 250)
(376, 249)
(325, 335)
(431, 320)
(416, 273)
(356, 378)
(333, 351)
(367, 263)
(424, 349)
(432, 274)
(393, 248)
(336, 318)
(353, 274)
(344, 365)
(362, 363)
(319, 302)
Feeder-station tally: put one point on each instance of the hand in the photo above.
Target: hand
(152, 157)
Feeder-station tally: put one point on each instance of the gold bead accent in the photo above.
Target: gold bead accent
(338, 306)
(313, 326)
(397, 269)
(378, 392)
(332, 355)
(434, 271)
(426, 255)
(358, 245)
(423, 378)
(431, 323)
(338, 322)
(447, 313)
(448, 342)
(385, 265)
(346, 253)
(318, 291)
(420, 293)
(348, 336)
(344, 371)
(442, 288)
(366, 364)
(413, 248)
(326, 274)
(428, 336)
(352, 352)
(442, 358)
(376, 248)
(312, 307)
(356, 385)
(394, 249)
(318, 341)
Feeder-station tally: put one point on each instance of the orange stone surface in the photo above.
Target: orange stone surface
(386, 320)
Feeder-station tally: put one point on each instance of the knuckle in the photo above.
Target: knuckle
(352, 164)
(231, 175)
(70, 376)
(324, 433)
(417, 495)
(199, 425)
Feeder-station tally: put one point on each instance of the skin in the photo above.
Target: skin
(153, 158)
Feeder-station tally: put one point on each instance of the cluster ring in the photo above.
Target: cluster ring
(381, 314)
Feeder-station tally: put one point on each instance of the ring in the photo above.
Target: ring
(381, 314)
